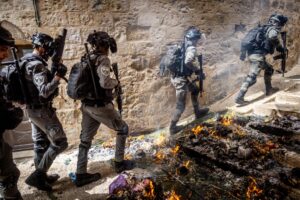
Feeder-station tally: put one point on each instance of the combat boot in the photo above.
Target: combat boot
(271, 91)
(174, 128)
(84, 179)
(52, 178)
(201, 112)
(240, 98)
(38, 179)
(123, 165)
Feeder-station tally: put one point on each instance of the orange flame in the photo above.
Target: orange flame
(150, 193)
(160, 155)
(214, 134)
(197, 130)
(227, 121)
(187, 164)
(265, 148)
(174, 196)
(253, 189)
(175, 150)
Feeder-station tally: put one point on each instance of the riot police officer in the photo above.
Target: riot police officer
(10, 117)
(96, 111)
(47, 133)
(257, 57)
(183, 81)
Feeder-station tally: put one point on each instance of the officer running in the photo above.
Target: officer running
(10, 117)
(184, 83)
(47, 133)
(97, 111)
(257, 57)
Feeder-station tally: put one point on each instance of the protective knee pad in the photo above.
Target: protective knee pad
(124, 130)
(251, 79)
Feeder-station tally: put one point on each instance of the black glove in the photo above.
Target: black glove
(243, 56)
(54, 68)
(61, 70)
(281, 49)
(14, 117)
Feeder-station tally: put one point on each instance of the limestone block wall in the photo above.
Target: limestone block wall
(142, 29)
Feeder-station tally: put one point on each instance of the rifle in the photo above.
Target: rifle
(284, 54)
(201, 74)
(59, 45)
(91, 70)
(183, 56)
(21, 76)
(119, 90)
(8, 63)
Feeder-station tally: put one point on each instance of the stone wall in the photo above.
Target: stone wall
(143, 28)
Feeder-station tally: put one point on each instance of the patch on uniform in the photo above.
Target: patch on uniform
(105, 71)
(39, 80)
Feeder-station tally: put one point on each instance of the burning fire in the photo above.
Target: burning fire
(214, 134)
(197, 130)
(161, 140)
(160, 155)
(174, 196)
(227, 121)
(151, 192)
(265, 148)
(187, 164)
(175, 150)
(253, 189)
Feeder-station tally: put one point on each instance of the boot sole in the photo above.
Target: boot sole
(96, 178)
(38, 186)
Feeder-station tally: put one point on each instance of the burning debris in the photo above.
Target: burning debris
(229, 157)
(237, 158)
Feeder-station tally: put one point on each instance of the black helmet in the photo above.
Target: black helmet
(45, 41)
(6, 37)
(280, 19)
(102, 39)
(193, 33)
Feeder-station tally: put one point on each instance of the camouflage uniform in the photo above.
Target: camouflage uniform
(183, 85)
(47, 133)
(96, 112)
(258, 62)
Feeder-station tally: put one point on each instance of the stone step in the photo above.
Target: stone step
(270, 108)
(287, 98)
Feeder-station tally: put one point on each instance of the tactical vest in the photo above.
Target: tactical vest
(105, 95)
(34, 97)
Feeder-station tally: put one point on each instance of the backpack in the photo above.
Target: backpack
(254, 39)
(79, 85)
(171, 61)
(12, 84)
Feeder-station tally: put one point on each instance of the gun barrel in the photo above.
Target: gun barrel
(7, 63)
